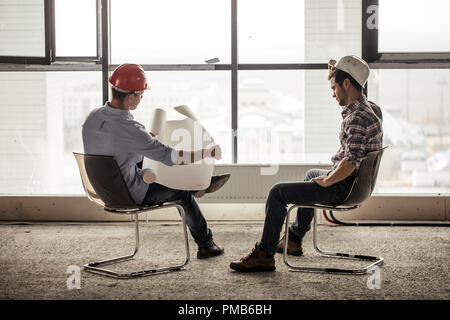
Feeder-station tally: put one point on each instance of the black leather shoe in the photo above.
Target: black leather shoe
(208, 252)
(217, 182)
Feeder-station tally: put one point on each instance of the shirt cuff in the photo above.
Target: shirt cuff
(174, 156)
(354, 161)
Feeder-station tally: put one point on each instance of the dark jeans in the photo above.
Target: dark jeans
(157, 194)
(306, 192)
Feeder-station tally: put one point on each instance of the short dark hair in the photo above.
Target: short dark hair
(339, 77)
(120, 96)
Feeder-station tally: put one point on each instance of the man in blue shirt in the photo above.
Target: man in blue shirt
(112, 130)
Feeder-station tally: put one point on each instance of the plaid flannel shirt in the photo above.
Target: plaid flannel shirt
(361, 132)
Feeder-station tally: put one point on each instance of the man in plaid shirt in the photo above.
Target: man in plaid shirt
(361, 132)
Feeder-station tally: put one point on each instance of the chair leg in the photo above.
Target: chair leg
(375, 260)
(95, 266)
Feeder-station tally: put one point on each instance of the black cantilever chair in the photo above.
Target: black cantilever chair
(104, 184)
(361, 190)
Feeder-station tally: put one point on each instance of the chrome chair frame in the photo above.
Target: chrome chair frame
(375, 260)
(361, 189)
(96, 267)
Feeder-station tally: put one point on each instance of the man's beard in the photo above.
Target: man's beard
(342, 100)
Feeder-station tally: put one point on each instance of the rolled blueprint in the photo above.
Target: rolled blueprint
(186, 111)
(158, 122)
(185, 134)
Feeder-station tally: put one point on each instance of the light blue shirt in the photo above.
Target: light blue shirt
(114, 132)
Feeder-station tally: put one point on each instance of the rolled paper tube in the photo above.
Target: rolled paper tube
(186, 111)
(148, 176)
(158, 121)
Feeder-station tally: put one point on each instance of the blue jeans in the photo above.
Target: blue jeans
(157, 194)
(305, 192)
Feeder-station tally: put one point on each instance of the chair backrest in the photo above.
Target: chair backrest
(365, 179)
(103, 182)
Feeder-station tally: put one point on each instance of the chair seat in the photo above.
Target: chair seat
(375, 261)
(331, 207)
(141, 208)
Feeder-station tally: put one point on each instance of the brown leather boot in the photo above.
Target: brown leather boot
(257, 260)
(294, 248)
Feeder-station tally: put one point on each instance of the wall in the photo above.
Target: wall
(241, 199)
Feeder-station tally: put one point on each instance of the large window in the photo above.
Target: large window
(274, 109)
(271, 116)
(22, 29)
(406, 31)
(272, 33)
(265, 99)
(170, 31)
(414, 26)
(206, 93)
(332, 29)
(40, 127)
(416, 111)
(281, 112)
(73, 37)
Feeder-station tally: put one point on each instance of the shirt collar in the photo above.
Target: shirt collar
(361, 101)
(120, 112)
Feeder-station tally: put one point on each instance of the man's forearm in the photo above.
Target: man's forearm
(343, 170)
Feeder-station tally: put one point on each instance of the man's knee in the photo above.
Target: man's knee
(275, 191)
(185, 196)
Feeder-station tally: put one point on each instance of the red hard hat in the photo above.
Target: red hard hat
(129, 78)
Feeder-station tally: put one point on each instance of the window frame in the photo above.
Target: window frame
(398, 60)
(49, 23)
(50, 42)
(95, 59)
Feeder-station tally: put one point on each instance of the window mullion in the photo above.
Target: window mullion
(234, 80)
(106, 25)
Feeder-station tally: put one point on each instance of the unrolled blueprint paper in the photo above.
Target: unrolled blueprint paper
(186, 134)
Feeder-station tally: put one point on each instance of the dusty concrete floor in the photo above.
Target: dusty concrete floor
(34, 261)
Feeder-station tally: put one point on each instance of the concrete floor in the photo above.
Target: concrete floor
(34, 260)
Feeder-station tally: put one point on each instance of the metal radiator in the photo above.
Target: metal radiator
(251, 183)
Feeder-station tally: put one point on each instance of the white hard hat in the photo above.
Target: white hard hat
(356, 67)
